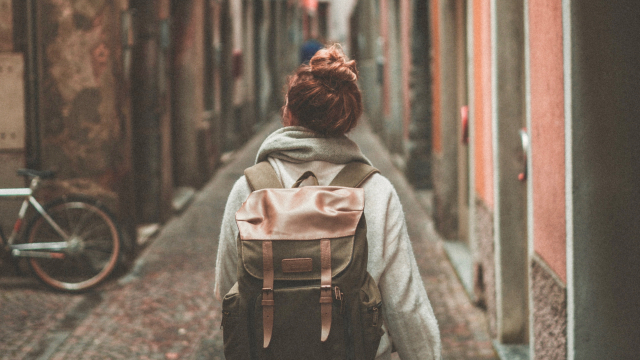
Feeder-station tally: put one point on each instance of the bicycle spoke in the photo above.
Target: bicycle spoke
(69, 222)
(101, 247)
(78, 224)
(94, 229)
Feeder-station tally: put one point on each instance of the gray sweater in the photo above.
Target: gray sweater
(408, 315)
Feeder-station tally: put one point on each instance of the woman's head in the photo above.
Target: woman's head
(323, 96)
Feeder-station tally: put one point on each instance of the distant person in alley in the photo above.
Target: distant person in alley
(308, 49)
(302, 164)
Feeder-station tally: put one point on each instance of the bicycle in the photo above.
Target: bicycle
(72, 243)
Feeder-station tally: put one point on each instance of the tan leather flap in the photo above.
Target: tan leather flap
(307, 213)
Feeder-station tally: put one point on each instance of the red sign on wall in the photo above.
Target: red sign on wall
(310, 4)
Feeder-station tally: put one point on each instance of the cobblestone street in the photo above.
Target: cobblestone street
(164, 307)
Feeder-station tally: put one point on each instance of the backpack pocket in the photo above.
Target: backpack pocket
(371, 317)
(297, 327)
(234, 327)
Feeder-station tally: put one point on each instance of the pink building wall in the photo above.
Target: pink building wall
(482, 107)
(548, 133)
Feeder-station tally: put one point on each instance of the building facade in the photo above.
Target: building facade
(135, 102)
(529, 141)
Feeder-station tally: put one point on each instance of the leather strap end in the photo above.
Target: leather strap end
(267, 318)
(325, 309)
(267, 292)
(325, 288)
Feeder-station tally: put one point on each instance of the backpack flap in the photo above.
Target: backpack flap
(295, 219)
(293, 234)
(306, 213)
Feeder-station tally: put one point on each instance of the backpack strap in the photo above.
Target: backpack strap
(304, 177)
(353, 174)
(267, 292)
(325, 289)
(262, 176)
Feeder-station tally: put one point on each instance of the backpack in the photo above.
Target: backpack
(303, 290)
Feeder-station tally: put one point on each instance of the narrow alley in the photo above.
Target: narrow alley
(164, 307)
(509, 129)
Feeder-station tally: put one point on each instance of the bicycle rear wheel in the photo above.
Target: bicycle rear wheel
(93, 244)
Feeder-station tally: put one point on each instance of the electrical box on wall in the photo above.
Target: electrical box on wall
(12, 122)
(12, 131)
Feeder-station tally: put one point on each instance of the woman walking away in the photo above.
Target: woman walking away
(323, 104)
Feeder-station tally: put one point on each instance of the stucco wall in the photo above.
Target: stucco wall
(437, 78)
(393, 79)
(447, 116)
(547, 133)
(83, 122)
(605, 166)
(405, 39)
(484, 276)
(482, 104)
(187, 93)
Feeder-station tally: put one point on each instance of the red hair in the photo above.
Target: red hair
(323, 96)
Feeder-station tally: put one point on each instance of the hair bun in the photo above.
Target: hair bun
(330, 65)
(323, 96)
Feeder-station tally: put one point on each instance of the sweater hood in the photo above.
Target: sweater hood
(298, 144)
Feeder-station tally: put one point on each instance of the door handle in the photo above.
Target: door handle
(524, 138)
(464, 117)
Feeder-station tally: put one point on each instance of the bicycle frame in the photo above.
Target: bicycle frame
(43, 250)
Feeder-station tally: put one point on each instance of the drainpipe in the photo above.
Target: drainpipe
(32, 93)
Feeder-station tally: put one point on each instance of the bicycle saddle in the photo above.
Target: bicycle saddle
(47, 174)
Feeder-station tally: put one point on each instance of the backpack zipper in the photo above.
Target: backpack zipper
(339, 297)
(374, 323)
(346, 318)
(346, 323)
(224, 316)
(375, 309)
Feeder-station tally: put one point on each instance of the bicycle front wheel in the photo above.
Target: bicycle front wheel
(92, 244)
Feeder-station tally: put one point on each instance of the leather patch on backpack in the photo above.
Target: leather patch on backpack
(296, 265)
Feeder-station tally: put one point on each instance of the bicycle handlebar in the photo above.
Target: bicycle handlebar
(47, 174)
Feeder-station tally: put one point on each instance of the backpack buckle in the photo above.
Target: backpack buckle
(325, 291)
(267, 297)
